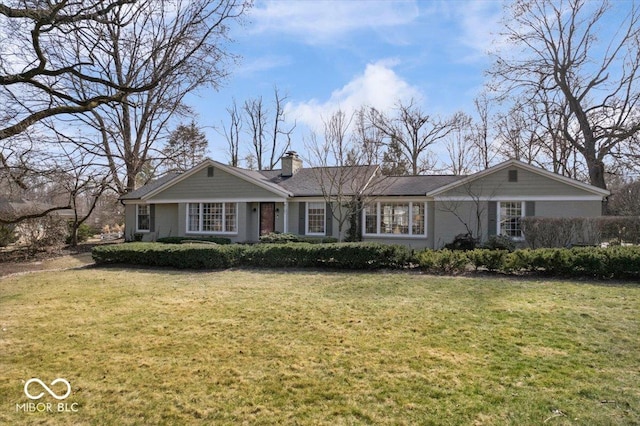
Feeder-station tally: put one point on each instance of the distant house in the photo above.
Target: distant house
(14, 208)
(418, 211)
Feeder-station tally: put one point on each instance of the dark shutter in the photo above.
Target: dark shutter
(492, 225)
(210, 171)
(152, 218)
(302, 210)
(530, 208)
(328, 231)
(513, 175)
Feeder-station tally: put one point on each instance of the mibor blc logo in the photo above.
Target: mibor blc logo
(31, 388)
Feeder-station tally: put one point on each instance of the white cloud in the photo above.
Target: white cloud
(264, 63)
(479, 21)
(378, 86)
(325, 21)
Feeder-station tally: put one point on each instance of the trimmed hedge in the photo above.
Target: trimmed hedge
(181, 240)
(281, 238)
(621, 262)
(204, 256)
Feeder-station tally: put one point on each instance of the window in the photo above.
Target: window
(511, 213)
(316, 218)
(143, 219)
(386, 218)
(219, 218)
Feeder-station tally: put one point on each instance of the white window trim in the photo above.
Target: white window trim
(324, 219)
(378, 214)
(201, 218)
(523, 210)
(138, 218)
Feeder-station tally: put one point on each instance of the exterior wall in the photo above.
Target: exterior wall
(129, 221)
(447, 225)
(166, 220)
(294, 215)
(528, 184)
(252, 222)
(568, 209)
(220, 186)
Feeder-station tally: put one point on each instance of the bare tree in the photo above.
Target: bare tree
(554, 48)
(480, 137)
(518, 135)
(122, 65)
(180, 44)
(413, 132)
(36, 63)
(85, 180)
(625, 201)
(461, 148)
(232, 133)
(343, 173)
(270, 136)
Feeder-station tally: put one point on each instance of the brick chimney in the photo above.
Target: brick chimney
(290, 163)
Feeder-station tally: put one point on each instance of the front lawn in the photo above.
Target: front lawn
(270, 347)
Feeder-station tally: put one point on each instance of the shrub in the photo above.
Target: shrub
(462, 242)
(499, 242)
(84, 233)
(566, 231)
(180, 240)
(7, 235)
(443, 261)
(43, 233)
(492, 260)
(280, 238)
(341, 256)
(191, 256)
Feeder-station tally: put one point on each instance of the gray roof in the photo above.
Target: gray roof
(12, 208)
(310, 182)
(413, 185)
(151, 186)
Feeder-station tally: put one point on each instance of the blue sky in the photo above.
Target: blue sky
(334, 54)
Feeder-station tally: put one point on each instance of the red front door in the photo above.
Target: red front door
(267, 218)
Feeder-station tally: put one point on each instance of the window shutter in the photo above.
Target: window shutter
(530, 208)
(302, 211)
(492, 225)
(152, 218)
(328, 230)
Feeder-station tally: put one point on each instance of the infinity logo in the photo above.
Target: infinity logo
(52, 393)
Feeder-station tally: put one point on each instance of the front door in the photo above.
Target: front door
(267, 218)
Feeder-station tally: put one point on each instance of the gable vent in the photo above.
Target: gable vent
(513, 175)
(210, 171)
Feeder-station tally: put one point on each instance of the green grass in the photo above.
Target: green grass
(262, 347)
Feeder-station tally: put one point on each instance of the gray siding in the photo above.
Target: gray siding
(220, 186)
(528, 184)
(451, 217)
(166, 223)
(568, 209)
(129, 221)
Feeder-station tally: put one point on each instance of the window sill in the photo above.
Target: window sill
(210, 233)
(407, 236)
